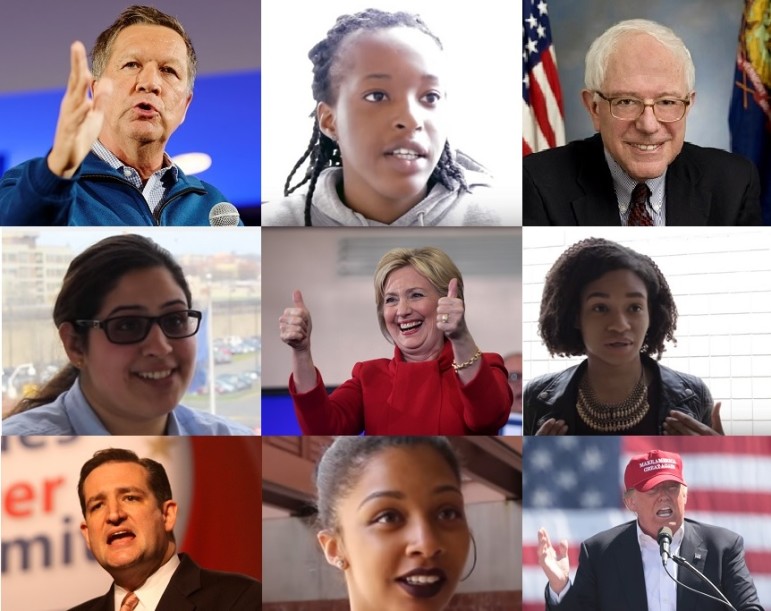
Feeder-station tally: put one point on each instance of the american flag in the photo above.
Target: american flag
(543, 123)
(572, 486)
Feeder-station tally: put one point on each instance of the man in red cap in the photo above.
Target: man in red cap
(622, 568)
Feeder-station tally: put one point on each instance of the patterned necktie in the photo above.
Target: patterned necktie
(638, 210)
(130, 602)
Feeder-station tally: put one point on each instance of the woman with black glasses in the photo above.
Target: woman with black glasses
(124, 319)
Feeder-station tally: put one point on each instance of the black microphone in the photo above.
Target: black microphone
(224, 214)
(664, 539)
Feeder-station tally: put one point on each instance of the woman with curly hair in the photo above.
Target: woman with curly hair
(612, 304)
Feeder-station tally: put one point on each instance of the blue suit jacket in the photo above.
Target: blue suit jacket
(30, 194)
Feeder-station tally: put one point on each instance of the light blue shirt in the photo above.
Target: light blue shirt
(624, 184)
(70, 414)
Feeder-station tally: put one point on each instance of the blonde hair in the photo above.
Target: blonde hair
(430, 262)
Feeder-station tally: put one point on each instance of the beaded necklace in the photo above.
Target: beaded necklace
(614, 417)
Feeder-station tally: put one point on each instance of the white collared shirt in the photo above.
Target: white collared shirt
(659, 587)
(152, 590)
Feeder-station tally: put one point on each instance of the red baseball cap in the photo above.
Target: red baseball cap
(646, 471)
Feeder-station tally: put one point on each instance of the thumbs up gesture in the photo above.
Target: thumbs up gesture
(450, 312)
(295, 324)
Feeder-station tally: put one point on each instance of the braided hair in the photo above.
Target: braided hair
(322, 152)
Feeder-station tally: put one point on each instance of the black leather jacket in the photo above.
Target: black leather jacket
(554, 395)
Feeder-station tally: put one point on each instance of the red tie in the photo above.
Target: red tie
(638, 210)
(130, 602)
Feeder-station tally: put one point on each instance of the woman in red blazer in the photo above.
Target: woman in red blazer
(438, 381)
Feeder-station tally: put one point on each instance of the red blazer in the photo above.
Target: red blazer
(394, 397)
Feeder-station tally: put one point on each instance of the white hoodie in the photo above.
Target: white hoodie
(442, 206)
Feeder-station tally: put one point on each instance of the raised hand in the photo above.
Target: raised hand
(450, 313)
(80, 116)
(295, 324)
(678, 423)
(553, 427)
(554, 562)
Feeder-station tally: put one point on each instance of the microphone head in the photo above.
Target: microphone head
(224, 214)
(664, 533)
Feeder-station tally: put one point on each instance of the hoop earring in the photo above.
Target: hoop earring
(474, 563)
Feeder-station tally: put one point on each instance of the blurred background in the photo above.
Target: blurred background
(223, 269)
(222, 128)
(46, 565)
(334, 269)
(297, 576)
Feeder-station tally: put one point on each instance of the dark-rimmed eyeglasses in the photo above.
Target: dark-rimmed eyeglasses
(627, 108)
(134, 329)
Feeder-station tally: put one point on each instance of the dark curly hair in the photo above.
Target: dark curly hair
(322, 152)
(585, 262)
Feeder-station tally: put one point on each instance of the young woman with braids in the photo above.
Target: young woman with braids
(378, 153)
(612, 304)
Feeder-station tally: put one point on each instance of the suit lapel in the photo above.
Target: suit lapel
(694, 550)
(629, 567)
(598, 205)
(686, 203)
(185, 581)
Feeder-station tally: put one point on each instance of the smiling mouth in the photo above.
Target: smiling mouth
(423, 585)
(645, 147)
(409, 326)
(155, 375)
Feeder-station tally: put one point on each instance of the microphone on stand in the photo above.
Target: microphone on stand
(224, 214)
(664, 539)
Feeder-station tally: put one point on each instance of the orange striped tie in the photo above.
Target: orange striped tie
(130, 602)
(638, 213)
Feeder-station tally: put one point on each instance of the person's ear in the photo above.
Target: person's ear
(333, 549)
(630, 501)
(73, 344)
(592, 105)
(325, 115)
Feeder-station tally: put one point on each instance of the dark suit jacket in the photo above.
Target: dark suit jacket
(572, 185)
(610, 572)
(195, 589)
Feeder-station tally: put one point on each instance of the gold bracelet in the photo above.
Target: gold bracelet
(458, 366)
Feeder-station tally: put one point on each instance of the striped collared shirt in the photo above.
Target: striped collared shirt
(623, 184)
(157, 185)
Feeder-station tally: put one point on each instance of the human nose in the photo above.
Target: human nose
(647, 121)
(409, 116)
(115, 513)
(403, 307)
(618, 322)
(156, 343)
(424, 540)
(149, 79)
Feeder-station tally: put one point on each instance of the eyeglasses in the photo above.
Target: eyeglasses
(134, 329)
(666, 110)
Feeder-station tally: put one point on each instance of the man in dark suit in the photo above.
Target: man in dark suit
(638, 170)
(621, 568)
(129, 518)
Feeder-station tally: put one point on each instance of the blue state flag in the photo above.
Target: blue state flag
(749, 117)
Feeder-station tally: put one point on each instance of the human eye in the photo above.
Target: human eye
(432, 97)
(126, 323)
(626, 102)
(175, 320)
(417, 294)
(668, 102)
(599, 308)
(170, 70)
(375, 96)
(130, 64)
(636, 308)
(387, 517)
(451, 513)
(390, 300)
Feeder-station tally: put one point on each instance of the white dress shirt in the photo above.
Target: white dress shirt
(660, 588)
(152, 590)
